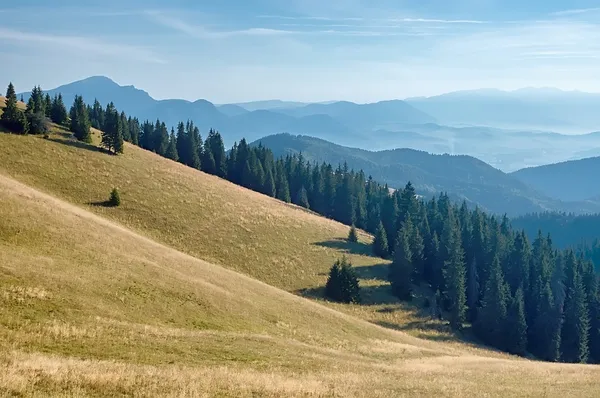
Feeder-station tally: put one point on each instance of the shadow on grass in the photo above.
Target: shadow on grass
(370, 295)
(347, 247)
(378, 272)
(104, 203)
(76, 144)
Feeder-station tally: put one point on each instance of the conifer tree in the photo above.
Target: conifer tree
(516, 325)
(546, 329)
(491, 319)
(302, 198)
(352, 235)
(12, 118)
(80, 123)
(47, 106)
(58, 111)
(454, 273)
(380, 243)
(417, 248)
(333, 289)
(401, 268)
(282, 187)
(269, 183)
(575, 329)
(349, 286)
(172, 148)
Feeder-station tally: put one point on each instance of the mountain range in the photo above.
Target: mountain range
(575, 180)
(462, 177)
(455, 123)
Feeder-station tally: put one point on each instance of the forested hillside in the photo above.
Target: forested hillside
(519, 297)
(574, 180)
(462, 177)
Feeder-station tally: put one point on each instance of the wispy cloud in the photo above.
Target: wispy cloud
(576, 11)
(376, 20)
(80, 43)
(310, 18)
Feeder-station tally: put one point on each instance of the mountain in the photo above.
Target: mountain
(463, 177)
(574, 180)
(529, 108)
(384, 114)
(350, 123)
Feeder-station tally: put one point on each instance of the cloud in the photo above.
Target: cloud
(576, 11)
(86, 44)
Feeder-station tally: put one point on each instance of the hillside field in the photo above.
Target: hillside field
(192, 287)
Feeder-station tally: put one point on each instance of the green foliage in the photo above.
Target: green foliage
(454, 272)
(112, 135)
(302, 198)
(401, 268)
(342, 283)
(80, 123)
(38, 123)
(575, 329)
(352, 235)
(58, 111)
(492, 317)
(115, 198)
(516, 325)
(380, 243)
(172, 148)
(12, 118)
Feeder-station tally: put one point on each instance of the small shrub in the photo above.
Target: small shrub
(115, 198)
(38, 123)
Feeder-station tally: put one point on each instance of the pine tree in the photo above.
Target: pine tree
(546, 328)
(47, 106)
(12, 118)
(516, 325)
(491, 319)
(401, 268)
(270, 188)
(333, 289)
(58, 111)
(115, 198)
(352, 235)
(80, 123)
(349, 286)
(302, 198)
(417, 249)
(172, 148)
(380, 243)
(575, 329)
(454, 273)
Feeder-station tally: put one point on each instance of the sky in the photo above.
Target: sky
(305, 50)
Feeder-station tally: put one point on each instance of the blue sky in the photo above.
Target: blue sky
(308, 50)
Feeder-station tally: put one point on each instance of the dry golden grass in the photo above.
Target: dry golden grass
(91, 308)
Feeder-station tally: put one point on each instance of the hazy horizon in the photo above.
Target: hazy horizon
(304, 50)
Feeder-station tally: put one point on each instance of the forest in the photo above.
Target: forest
(521, 295)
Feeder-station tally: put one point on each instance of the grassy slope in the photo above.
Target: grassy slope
(95, 309)
(105, 286)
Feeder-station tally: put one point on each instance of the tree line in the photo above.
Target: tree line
(519, 296)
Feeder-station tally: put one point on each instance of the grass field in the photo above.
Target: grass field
(181, 291)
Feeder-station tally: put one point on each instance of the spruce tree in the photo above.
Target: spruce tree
(454, 273)
(80, 123)
(352, 235)
(349, 286)
(282, 187)
(516, 325)
(270, 188)
(575, 329)
(172, 148)
(417, 249)
(47, 106)
(302, 198)
(333, 289)
(12, 118)
(546, 328)
(491, 319)
(380, 243)
(401, 268)
(58, 112)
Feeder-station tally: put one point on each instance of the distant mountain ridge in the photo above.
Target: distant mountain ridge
(234, 121)
(532, 108)
(463, 177)
(570, 180)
